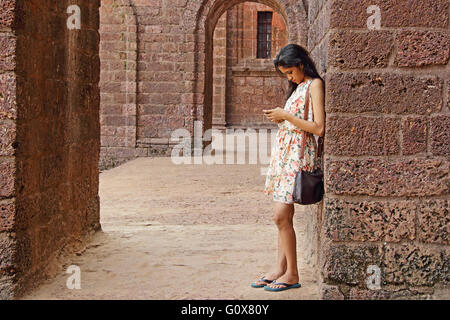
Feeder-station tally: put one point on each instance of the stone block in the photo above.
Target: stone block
(355, 49)
(392, 221)
(359, 135)
(388, 93)
(422, 48)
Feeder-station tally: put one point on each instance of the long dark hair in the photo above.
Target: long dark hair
(293, 55)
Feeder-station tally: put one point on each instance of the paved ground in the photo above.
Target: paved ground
(181, 232)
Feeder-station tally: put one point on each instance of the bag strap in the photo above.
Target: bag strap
(305, 117)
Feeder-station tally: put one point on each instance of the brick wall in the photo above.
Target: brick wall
(49, 141)
(387, 151)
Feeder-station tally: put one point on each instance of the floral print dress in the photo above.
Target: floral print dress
(285, 158)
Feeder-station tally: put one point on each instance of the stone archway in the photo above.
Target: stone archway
(207, 16)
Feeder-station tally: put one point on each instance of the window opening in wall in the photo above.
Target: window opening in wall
(264, 34)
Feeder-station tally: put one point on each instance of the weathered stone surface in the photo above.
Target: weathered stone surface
(434, 221)
(348, 263)
(7, 178)
(329, 292)
(390, 221)
(8, 46)
(400, 265)
(7, 12)
(7, 214)
(320, 27)
(27, 209)
(7, 250)
(356, 49)
(362, 92)
(367, 294)
(391, 293)
(416, 265)
(414, 133)
(358, 135)
(7, 288)
(319, 55)
(448, 95)
(394, 13)
(314, 8)
(421, 48)
(8, 108)
(377, 177)
(7, 138)
(440, 135)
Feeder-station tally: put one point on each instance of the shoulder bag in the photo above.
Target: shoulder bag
(308, 185)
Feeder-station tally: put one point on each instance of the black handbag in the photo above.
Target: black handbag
(308, 185)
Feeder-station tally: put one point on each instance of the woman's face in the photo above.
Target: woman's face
(294, 74)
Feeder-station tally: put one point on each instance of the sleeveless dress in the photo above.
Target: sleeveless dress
(285, 156)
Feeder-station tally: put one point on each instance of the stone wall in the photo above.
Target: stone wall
(118, 83)
(49, 141)
(387, 150)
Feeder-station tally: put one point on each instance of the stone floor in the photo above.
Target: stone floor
(181, 231)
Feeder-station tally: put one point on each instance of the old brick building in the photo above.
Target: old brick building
(387, 128)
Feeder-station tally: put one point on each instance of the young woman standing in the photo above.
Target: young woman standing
(294, 62)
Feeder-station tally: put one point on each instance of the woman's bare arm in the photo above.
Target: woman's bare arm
(318, 100)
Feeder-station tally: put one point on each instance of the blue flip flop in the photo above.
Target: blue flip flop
(287, 286)
(262, 285)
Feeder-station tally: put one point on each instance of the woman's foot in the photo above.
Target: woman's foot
(269, 276)
(288, 278)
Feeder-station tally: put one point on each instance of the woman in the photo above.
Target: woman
(294, 62)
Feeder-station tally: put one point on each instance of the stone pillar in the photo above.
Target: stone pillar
(220, 73)
(49, 140)
(387, 151)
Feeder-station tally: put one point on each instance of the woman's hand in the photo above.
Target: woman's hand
(276, 115)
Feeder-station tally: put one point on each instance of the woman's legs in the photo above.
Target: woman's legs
(282, 262)
(283, 218)
(281, 267)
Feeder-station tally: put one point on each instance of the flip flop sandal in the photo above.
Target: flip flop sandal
(287, 286)
(267, 281)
